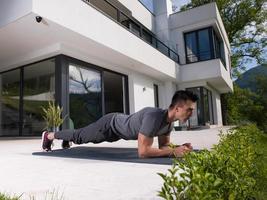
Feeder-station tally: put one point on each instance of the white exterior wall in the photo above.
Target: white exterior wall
(162, 11)
(11, 10)
(217, 108)
(141, 92)
(169, 89)
(140, 13)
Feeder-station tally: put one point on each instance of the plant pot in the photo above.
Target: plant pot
(53, 129)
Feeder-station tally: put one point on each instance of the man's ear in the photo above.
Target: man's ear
(178, 106)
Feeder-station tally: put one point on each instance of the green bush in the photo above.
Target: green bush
(7, 197)
(228, 171)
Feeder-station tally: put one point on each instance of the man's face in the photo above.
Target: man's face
(184, 110)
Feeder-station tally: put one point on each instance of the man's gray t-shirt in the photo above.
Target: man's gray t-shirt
(149, 121)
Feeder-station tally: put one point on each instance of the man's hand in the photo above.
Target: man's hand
(188, 145)
(182, 150)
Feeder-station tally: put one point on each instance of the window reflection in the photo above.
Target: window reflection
(191, 47)
(9, 103)
(204, 45)
(85, 95)
(39, 89)
(114, 92)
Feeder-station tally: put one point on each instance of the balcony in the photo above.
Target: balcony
(211, 72)
(135, 27)
(201, 29)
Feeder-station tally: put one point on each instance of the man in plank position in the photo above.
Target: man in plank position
(143, 126)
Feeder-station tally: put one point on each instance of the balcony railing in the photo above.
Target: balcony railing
(203, 56)
(133, 26)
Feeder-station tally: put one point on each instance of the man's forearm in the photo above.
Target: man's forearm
(164, 151)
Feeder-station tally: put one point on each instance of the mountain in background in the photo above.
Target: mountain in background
(248, 78)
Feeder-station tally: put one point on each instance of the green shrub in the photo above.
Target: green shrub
(7, 197)
(228, 171)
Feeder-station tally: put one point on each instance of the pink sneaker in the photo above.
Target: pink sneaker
(46, 143)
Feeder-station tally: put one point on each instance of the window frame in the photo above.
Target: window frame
(212, 45)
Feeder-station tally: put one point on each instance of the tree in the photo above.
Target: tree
(245, 22)
(261, 91)
(242, 106)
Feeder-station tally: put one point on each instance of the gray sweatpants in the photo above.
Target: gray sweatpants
(96, 132)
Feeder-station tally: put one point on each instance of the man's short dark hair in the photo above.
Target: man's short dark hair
(181, 96)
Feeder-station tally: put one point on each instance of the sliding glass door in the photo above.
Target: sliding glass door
(94, 92)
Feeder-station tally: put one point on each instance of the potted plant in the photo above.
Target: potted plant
(52, 116)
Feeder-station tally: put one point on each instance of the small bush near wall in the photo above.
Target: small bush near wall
(229, 171)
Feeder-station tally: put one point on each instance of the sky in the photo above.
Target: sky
(177, 3)
(180, 3)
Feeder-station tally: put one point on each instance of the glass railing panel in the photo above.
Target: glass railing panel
(105, 7)
(146, 36)
(135, 28)
(174, 56)
(124, 20)
(162, 48)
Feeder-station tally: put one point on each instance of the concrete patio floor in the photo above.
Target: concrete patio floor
(106, 171)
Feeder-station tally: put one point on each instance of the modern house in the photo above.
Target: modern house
(99, 56)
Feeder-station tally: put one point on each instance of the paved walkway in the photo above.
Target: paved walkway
(106, 171)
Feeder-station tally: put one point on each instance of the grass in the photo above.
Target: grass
(262, 164)
(8, 197)
(49, 195)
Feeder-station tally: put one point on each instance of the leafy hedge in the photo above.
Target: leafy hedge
(228, 171)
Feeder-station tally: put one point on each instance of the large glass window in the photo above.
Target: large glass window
(114, 92)
(38, 90)
(203, 45)
(85, 102)
(9, 103)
